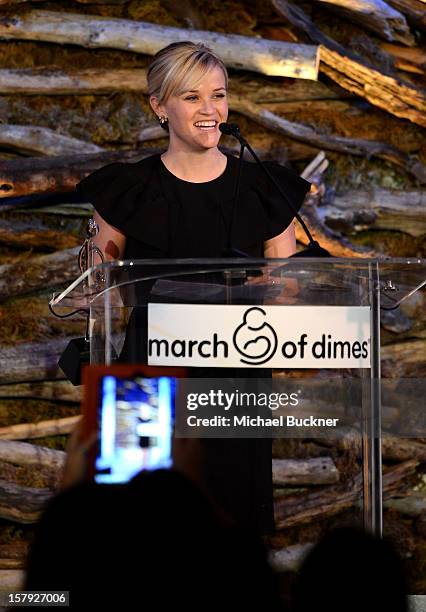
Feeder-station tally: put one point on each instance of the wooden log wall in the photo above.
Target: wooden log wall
(336, 89)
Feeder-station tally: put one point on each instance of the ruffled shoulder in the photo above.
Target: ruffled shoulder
(280, 212)
(126, 197)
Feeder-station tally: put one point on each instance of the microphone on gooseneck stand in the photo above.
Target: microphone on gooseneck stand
(229, 250)
(314, 249)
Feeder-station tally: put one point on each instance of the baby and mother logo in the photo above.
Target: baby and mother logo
(255, 339)
(212, 335)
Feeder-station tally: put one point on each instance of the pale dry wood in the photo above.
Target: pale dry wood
(11, 580)
(24, 235)
(415, 11)
(59, 390)
(289, 559)
(404, 359)
(55, 174)
(394, 448)
(374, 15)
(274, 58)
(23, 453)
(317, 471)
(411, 505)
(411, 59)
(22, 504)
(52, 427)
(302, 508)
(336, 244)
(30, 140)
(151, 132)
(353, 73)
(12, 564)
(384, 91)
(41, 271)
(32, 361)
(379, 209)
(53, 81)
(353, 146)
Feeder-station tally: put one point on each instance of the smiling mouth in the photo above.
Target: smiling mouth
(206, 126)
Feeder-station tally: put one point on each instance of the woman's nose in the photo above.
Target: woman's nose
(207, 106)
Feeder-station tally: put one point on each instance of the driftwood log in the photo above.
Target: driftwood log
(378, 209)
(38, 272)
(407, 58)
(12, 579)
(303, 508)
(412, 505)
(414, 10)
(54, 81)
(374, 15)
(22, 504)
(52, 427)
(274, 58)
(22, 453)
(404, 359)
(321, 470)
(38, 81)
(354, 74)
(60, 390)
(394, 448)
(25, 236)
(289, 559)
(20, 177)
(353, 146)
(30, 139)
(32, 361)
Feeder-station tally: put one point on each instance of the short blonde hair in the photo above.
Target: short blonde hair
(179, 67)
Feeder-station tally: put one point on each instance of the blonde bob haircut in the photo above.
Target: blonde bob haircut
(179, 67)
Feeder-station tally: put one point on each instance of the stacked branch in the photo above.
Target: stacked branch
(27, 431)
(241, 52)
(379, 209)
(30, 140)
(299, 509)
(20, 177)
(355, 74)
(374, 15)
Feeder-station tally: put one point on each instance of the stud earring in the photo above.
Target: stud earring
(163, 119)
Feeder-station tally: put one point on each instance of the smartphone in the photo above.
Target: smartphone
(133, 410)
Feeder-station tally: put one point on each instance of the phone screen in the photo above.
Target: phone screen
(135, 420)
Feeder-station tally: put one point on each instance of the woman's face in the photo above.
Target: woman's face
(195, 115)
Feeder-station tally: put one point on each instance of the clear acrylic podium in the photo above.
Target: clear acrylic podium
(114, 292)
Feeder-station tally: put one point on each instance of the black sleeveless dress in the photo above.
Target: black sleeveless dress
(165, 217)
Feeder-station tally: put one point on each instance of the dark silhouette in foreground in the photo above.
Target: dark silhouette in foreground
(154, 541)
(350, 570)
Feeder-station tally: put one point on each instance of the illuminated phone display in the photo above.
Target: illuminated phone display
(135, 420)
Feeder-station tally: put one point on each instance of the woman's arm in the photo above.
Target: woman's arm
(282, 245)
(109, 240)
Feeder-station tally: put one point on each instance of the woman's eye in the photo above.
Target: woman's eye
(191, 98)
(220, 95)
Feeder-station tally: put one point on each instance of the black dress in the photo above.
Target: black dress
(166, 217)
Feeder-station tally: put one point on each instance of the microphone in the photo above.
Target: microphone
(314, 249)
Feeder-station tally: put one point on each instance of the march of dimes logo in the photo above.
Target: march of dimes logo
(212, 335)
(255, 339)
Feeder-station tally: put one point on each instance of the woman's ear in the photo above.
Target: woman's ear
(156, 106)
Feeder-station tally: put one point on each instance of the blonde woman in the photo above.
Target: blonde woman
(178, 205)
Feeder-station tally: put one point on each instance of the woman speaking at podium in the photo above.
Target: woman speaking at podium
(180, 204)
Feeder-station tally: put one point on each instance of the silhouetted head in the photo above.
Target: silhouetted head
(350, 570)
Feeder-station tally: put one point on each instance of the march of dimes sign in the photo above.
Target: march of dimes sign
(211, 335)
